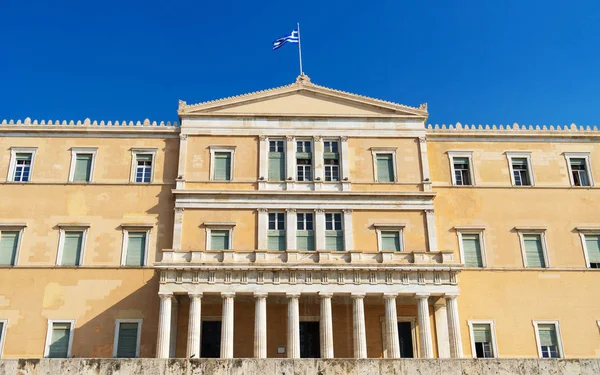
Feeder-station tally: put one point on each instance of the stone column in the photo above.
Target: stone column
(260, 325)
(391, 326)
(360, 335)
(293, 331)
(164, 325)
(441, 330)
(424, 325)
(227, 325)
(174, 317)
(326, 325)
(453, 326)
(194, 325)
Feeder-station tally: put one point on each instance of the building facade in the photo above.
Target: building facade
(298, 222)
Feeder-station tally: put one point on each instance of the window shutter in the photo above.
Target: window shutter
(472, 250)
(577, 162)
(72, 248)
(144, 157)
(83, 167)
(521, 162)
(276, 240)
(390, 241)
(305, 240)
(8, 248)
(219, 240)
(385, 168)
(222, 171)
(547, 335)
(136, 246)
(276, 166)
(334, 240)
(592, 243)
(127, 341)
(59, 341)
(533, 251)
(482, 333)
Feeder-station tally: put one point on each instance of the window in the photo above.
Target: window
(21, 164)
(276, 233)
(390, 240)
(384, 164)
(276, 160)
(82, 164)
(59, 338)
(71, 245)
(579, 168)
(305, 234)
(304, 161)
(331, 160)
(127, 338)
(389, 236)
(548, 339)
(135, 245)
(219, 236)
(461, 166)
(142, 169)
(483, 340)
(221, 163)
(471, 249)
(520, 167)
(3, 325)
(10, 238)
(591, 246)
(334, 233)
(534, 250)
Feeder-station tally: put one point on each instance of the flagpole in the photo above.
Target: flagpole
(300, 50)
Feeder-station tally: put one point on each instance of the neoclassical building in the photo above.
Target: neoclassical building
(296, 222)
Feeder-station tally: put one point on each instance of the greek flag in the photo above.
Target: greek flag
(292, 38)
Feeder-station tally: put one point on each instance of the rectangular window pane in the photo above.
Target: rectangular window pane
(127, 340)
(482, 334)
(579, 170)
(521, 171)
(390, 241)
(8, 247)
(472, 250)
(136, 248)
(22, 167)
(534, 251)
(276, 166)
(385, 168)
(71, 253)
(144, 167)
(222, 170)
(219, 240)
(592, 244)
(59, 340)
(462, 172)
(83, 168)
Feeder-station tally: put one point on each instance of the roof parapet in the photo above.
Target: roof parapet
(88, 122)
(458, 127)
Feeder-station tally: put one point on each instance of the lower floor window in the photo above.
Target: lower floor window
(59, 338)
(127, 338)
(482, 335)
(548, 340)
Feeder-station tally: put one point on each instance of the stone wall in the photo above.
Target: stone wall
(299, 367)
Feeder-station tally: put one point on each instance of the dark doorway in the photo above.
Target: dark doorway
(406, 342)
(211, 339)
(310, 345)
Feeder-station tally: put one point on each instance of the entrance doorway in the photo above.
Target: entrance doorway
(211, 339)
(310, 345)
(406, 339)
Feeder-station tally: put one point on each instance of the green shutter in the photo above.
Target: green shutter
(222, 171)
(143, 157)
(219, 240)
(276, 240)
(127, 341)
(72, 249)
(83, 168)
(59, 340)
(547, 335)
(305, 240)
(276, 166)
(482, 333)
(592, 243)
(385, 168)
(390, 241)
(334, 240)
(534, 251)
(8, 248)
(472, 250)
(136, 247)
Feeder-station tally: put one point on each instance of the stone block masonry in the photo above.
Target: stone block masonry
(108, 366)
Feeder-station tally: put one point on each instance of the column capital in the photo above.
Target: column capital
(344, 138)
(183, 137)
(225, 295)
(325, 295)
(317, 138)
(193, 295)
(259, 295)
(262, 210)
(289, 138)
(262, 137)
(292, 295)
(450, 295)
(165, 295)
(421, 295)
(348, 210)
(390, 295)
(290, 210)
(357, 295)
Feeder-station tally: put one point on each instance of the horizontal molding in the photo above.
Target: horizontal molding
(88, 183)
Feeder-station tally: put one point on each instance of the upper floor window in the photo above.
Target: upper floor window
(21, 163)
(334, 231)
(533, 247)
(590, 238)
(483, 340)
(142, 168)
(390, 236)
(331, 160)
(471, 248)
(579, 168)
(304, 161)
(135, 244)
(276, 233)
(10, 240)
(384, 164)
(520, 167)
(82, 164)
(59, 338)
(127, 338)
(219, 236)
(276, 160)
(221, 163)
(548, 339)
(71, 246)
(305, 233)
(462, 168)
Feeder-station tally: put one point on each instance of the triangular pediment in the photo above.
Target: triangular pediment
(301, 99)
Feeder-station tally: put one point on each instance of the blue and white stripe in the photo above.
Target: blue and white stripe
(292, 38)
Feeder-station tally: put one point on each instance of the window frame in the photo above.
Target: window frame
(49, 335)
(134, 153)
(588, 167)
(285, 157)
(472, 230)
(63, 228)
(390, 227)
(342, 230)
(210, 226)
(587, 231)
(521, 231)
(13, 163)
(556, 323)
(3, 334)
(492, 325)
(14, 227)
(461, 154)
(339, 159)
(304, 221)
(520, 155)
(135, 228)
(138, 338)
(84, 150)
(284, 230)
(312, 160)
(384, 150)
(224, 149)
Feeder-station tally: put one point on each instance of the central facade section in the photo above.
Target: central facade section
(304, 227)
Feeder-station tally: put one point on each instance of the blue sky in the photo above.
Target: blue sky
(489, 62)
